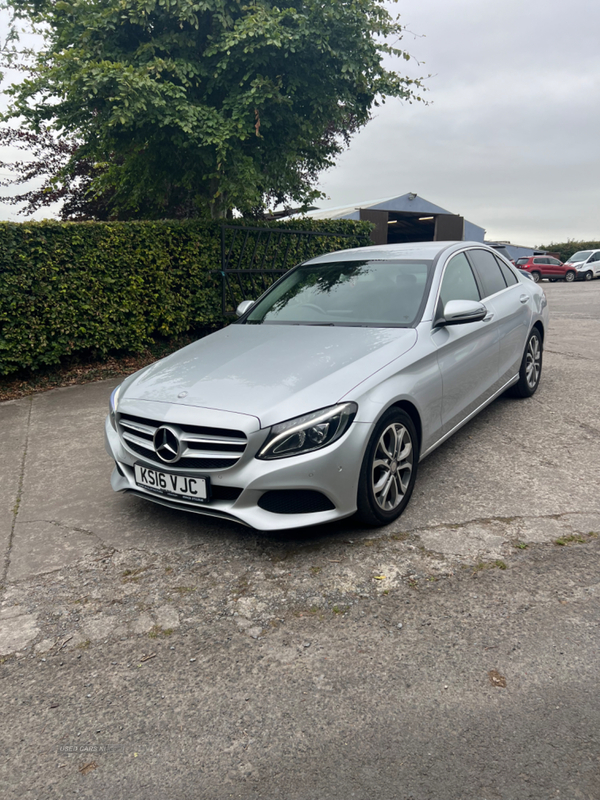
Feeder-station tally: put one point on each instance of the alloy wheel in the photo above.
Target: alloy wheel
(392, 466)
(533, 363)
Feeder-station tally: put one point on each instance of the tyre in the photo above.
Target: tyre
(389, 469)
(531, 367)
(537, 277)
(588, 275)
(570, 277)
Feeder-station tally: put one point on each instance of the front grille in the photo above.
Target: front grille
(295, 501)
(202, 448)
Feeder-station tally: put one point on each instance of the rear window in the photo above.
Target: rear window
(509, 275)
(521, 261)
(488, 270)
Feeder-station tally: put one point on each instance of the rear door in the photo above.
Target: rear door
(541, 264)
(511, 306)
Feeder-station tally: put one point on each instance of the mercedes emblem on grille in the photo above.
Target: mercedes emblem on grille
(167, 444)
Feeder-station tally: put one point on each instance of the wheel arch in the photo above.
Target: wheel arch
(413, 413)
(540, 328)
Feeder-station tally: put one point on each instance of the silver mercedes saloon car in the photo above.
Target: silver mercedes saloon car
(319, 402)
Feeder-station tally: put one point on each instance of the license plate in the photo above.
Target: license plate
(182, 486)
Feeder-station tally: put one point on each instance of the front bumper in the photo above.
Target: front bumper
(333, 472)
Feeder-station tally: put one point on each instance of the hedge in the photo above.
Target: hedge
(566, 249)
(100, 288)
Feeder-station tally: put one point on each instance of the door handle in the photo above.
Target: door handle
(524, 298)
(488, 316)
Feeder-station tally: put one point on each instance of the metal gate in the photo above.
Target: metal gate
(253, 258)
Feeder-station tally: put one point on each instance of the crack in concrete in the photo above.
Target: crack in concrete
(18, 498)
(75, 528)
(488, 520)
(568, 355)
(589, 428)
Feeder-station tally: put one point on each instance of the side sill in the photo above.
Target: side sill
(469, 417)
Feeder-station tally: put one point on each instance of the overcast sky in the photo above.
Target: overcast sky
(511, 136)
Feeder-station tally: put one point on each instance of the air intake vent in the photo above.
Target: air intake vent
(295, 501)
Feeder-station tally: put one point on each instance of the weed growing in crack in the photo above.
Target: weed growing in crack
(574, 538)
(497, 564)
(157, 631)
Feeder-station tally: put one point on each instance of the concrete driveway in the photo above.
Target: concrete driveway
(521, 471)
(149, 653)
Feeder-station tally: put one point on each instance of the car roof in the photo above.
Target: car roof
(421, 250)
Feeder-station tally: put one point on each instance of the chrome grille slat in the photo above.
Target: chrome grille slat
(204, 448)
(209, 454)
(137, 426)
(130, 437)
(204, 439)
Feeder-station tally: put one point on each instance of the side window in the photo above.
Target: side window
(595, 257)
(488, 270)
(509, 276)
(554, 261)
(458, 282)
(540, 260)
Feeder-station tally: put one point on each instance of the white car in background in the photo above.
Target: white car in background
(587, 264)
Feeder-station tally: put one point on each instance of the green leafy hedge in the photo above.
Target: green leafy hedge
(566, 249)
(100, 288)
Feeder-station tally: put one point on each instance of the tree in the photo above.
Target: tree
(189, 107)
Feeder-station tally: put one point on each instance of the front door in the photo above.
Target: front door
(467, 353)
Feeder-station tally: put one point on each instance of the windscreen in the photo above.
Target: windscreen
(371, 293)
(582, 255)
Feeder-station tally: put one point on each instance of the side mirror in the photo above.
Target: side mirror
(458, 312)
(244, 306)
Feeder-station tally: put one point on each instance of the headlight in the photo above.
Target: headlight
(309, 432)
(112, 406)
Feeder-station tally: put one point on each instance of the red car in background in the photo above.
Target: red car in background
(546, 267)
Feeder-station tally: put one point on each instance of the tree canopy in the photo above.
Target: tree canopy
(182, 108)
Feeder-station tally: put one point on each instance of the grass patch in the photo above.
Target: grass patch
(574, 538)
(157, 631)
(399, 537)
(134, 575)
(183, 590)
(483, 565)
(521, 545)
(340, 609)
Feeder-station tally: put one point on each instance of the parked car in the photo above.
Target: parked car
(587, 264)
(546, 267)
(320, 401)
